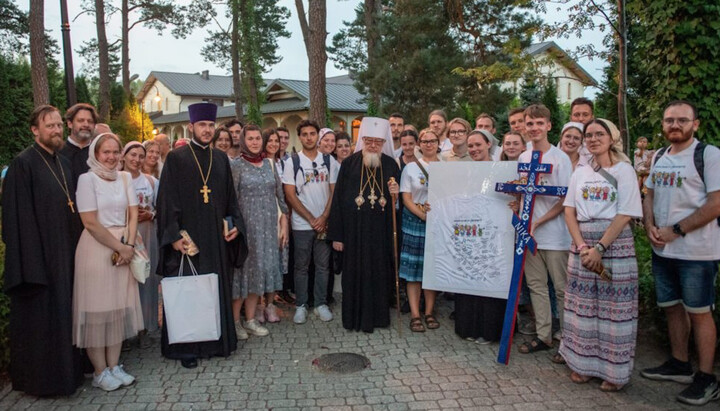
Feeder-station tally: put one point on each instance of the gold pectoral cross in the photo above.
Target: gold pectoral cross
(205, 191)
(71, 205)
(372, 197)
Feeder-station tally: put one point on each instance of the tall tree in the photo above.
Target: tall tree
(372, 10)
(41, 91)
(14, 27)
(103, 62)
(412, 71)
(608, 17)
(314, 34)
(247, 47)
(155, 14)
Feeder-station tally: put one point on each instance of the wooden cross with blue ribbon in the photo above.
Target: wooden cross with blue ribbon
(525, 241)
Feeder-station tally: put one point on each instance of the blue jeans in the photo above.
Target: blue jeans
(691, 283)
(306, 244)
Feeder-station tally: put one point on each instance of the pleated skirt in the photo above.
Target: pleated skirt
(106, 301)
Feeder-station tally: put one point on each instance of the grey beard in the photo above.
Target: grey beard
(371, 160)
(83, 135)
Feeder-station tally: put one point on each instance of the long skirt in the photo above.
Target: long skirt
(477, 316)
(412, 252)
(106, 302)
(600, 323)
(149, 290)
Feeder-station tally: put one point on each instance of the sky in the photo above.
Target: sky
(150, 51)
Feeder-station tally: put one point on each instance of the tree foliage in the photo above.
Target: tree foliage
(678, 46)
(130, 123)
(14, 26)
(260, 24)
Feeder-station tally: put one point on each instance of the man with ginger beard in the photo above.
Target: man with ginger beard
(40, 228)
(361, 226)
(81, 119)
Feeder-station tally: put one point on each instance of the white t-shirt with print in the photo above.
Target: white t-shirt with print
(553, 235)
(313, 185)
(678, 192)
(146, 193)
(413, 181)
(594, 198)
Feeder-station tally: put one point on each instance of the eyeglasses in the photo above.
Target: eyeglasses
(682, 122)
(457, 132)
(597, 135)
(373, 142)
(434, 141)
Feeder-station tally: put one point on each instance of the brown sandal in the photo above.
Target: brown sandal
(431, 322)
(416, 325)
(579, 379)
(610, 387)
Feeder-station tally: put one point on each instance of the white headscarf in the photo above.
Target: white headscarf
(97, 167)
(375, 127)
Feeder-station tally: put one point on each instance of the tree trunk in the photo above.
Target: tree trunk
(372, 14)
(103, 61)
(317, 57)
(70, 94)
(249, 67)
(622, 77)
(41, 89)
(125, 47)
(235, 52)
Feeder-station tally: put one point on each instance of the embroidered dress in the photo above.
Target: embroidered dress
(600, 323)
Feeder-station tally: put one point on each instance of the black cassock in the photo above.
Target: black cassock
(180, 206)
(78, 159)
(368, 272)
(40, 233)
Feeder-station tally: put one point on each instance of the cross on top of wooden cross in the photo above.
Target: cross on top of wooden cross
(522, 225)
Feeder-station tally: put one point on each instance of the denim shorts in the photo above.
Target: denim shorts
(691, 283)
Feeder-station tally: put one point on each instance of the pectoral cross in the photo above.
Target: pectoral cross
(205, 191)
(372, 197)
(525, 240)
(71, 205)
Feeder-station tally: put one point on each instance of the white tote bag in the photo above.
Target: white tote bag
(192, 306)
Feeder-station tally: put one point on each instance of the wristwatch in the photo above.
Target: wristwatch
(600, 248)
(677, 230)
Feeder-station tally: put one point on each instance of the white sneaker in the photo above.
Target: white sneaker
(240, 331)
(324, 313)
(105, 381)
(253, 327)
(300, 315)
(120, 374)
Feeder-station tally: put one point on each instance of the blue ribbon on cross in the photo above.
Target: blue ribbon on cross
(524, 240)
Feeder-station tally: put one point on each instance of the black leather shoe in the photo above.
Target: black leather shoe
(189, 362)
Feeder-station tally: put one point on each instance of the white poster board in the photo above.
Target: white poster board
(469, 237)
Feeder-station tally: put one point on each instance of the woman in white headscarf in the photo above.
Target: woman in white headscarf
(106, 302)
(600, 321)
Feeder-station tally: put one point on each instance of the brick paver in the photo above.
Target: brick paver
(420, 371)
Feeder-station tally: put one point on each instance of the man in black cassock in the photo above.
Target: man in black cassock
(360, 226)
(81, 119)
(40, 228)
(196, 193)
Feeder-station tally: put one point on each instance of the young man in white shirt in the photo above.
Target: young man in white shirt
(548, 229)
(308, 181)
(681, 210)
(397, 124)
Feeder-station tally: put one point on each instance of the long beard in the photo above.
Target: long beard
(686, 135)
(371, 160)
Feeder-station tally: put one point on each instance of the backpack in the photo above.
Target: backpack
(297, 168)
(698, 159)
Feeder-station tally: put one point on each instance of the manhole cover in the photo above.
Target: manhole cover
(342, 363)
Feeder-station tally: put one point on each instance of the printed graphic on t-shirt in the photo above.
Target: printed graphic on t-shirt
(598, 193)
(316, 176)
(667, 179)
(467, 230)
(423, 180)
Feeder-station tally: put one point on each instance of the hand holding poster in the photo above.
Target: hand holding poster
(469, 236)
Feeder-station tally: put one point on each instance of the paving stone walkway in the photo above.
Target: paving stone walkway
(431, 370)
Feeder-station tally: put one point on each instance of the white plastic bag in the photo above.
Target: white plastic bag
(192, 306)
